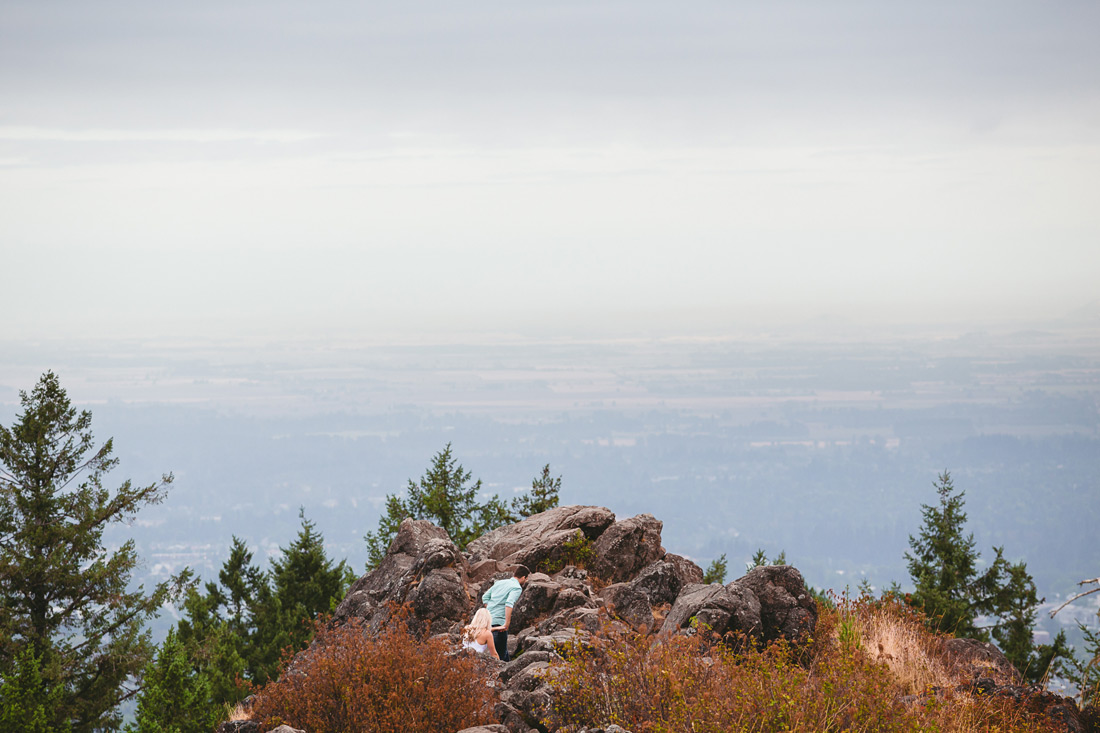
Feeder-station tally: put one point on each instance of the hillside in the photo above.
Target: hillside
(611, 629)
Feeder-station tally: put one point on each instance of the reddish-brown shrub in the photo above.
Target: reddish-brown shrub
(668, 685)
(350, 681)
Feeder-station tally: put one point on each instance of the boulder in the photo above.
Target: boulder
(536, 601)
(787, 609)
(981, 659)
(514, 667)
(728, 609)
(663, 580)
(629, 604)
(541, 536)
(494, 728)
(626, 547)
(422, 569)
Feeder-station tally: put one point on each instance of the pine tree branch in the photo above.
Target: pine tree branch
(1079, 595)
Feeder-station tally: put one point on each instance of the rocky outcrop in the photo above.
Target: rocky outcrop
(626, 547)
(662, 581)
(765, 604)
(423, 571)
(787, 610)
(981, 660)
(628, 582)
(725, 610)
(541, 538)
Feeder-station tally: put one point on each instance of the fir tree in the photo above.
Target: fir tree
(176, 697)
(445, 496)
(27, 701)
(716, 571)
(304, 584)
(543, 495)
(64, 597)
(955, 596)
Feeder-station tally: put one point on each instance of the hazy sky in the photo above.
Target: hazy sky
(258, 167)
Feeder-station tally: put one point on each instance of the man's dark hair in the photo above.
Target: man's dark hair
(521, 572)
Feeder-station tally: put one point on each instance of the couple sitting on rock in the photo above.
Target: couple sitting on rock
(491, 622)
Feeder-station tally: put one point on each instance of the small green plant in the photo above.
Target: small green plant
(577, 551)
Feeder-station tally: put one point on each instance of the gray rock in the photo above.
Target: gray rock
(536, 601)
(285, 729)
(722, 609)
(787, 609)
(239, 726)
(629, 604)
(514, 667)
(495, 728)
(561, 641)
(423, 569)
(663, 580)
(538, 537)
(626, 547)
(979, 659)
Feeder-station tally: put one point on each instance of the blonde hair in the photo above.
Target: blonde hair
(482, 621)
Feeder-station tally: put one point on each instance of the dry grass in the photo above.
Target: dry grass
(895, 636)
(872, 668)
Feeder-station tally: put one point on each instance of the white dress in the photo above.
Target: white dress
(479, 648)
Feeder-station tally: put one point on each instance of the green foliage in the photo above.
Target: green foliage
(716, 571)
(238, 630)
(305, 584)
(1085, 672)
(760, 559)
(176, 697)
(543, 495)
(388, 682)
(27, 701)
(213, 647)
(954, 595)
(445, 496)
(577, 550)
(64, 597)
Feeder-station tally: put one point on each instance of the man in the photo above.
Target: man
(499, 600)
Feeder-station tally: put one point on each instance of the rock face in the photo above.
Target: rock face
(542, 537)
(641, 587)
(982, 660)
(787, 609)
(626, 547)
(422, 570)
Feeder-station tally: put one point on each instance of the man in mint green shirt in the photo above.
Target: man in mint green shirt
(499, 600)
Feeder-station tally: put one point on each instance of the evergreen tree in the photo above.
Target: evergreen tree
(64, 597)
(27, 701)
(213, 647)
(304, 584)
(176, 697)
(954, 595)
(242, 582)
(716, 571)
(543, 495)
(760, 559)
(445, 496)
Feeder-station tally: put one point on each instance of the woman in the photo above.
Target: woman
(478, 635)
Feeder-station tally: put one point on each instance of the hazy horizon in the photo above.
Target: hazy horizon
(569, 169)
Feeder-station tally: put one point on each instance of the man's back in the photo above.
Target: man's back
(501, 596)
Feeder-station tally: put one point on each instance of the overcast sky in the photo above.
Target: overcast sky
(233, 167)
